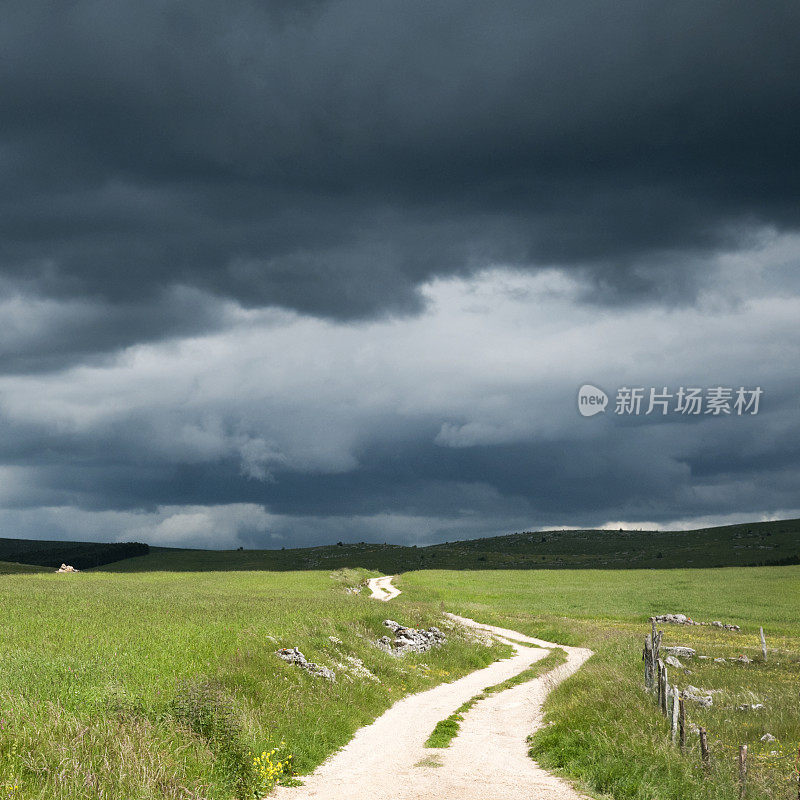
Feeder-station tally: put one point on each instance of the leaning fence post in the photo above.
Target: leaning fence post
(704, 748)
(742, 771)
(648, 662)
(658, 682)
(763, 644)
(664, 684)
(682, 721)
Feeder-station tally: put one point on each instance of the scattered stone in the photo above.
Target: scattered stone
(673, 662)
(742, 659)
(720, 661)
(751, 707)
(66, 568)
(293, 656)
(352, 589)
(679, 651)
(768, 737)
(675, 619)
(718, 624)
(355, 667)
(704, 658)
(682, 619)
(699, 696)
(409, 640)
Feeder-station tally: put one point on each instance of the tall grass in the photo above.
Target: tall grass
(163, 685)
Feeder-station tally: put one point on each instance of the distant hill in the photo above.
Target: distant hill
(81, 555)
(752, 544)
(10, 568)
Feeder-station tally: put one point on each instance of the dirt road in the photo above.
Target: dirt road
(488, 759)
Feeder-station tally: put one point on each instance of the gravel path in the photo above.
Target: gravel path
(488, 760)
(382, 588)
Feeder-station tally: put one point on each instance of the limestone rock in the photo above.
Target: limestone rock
(751, 707)
(679, 651)
(699, 696)
(409, 640)
(675, 619)
(293, 656)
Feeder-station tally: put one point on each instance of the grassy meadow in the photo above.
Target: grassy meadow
(603, 730)
(156, 676)
(164, 685)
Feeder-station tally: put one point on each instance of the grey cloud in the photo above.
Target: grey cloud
(173, 173)
(331, 156)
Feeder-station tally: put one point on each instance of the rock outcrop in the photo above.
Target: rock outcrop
(293, 656)
(679, 651)
(409, 640)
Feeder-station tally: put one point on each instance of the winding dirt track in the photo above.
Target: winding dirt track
(382, 588)
(488, 760)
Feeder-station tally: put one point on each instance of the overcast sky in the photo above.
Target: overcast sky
(284, 273)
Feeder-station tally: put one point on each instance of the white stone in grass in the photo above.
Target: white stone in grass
(699, 696)
(680, 651)
(293, 656)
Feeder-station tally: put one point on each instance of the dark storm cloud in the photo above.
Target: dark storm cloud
(330, 156)
(171, 169)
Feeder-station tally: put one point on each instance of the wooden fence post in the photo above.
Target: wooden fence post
(648, 662)
(682, 721)
(658, 682)
(664, 685)
(704, 748)
(742, 771)
(675, 712)
(763, 644)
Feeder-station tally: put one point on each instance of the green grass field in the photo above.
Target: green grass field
(605, 731)
(156, 676)
(161, 685)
